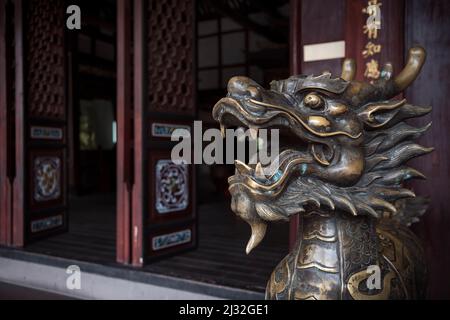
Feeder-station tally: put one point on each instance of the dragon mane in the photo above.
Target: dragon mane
(388, 145)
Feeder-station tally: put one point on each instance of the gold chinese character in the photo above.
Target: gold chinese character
(372, 71)
(371, 49)
(372, 33)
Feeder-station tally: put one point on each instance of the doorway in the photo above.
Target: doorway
(219, 255)
(92, 135)
(248, 38)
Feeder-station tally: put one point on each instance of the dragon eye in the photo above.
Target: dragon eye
(312, 100)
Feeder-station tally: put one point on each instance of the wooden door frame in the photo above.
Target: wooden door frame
(124, 127)
(123, 132)
(5, 192)
(12, 188)
(18, 216)
(130, 99)
(5, 185)
(137, 217)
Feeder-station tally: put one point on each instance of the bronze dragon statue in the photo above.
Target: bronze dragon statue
(344, 144)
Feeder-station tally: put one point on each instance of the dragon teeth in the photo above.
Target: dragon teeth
(259, 171)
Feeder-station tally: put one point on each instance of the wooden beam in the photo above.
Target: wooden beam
(137, 222)
(18, 209)
(4, 183)
(124, 150)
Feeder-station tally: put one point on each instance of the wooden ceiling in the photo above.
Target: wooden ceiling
(275, 29)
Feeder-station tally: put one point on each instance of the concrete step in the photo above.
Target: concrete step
(97, 281)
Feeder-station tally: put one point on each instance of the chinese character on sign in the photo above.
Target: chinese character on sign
(371, 49)
(372, 33)
(370, 29)
(372, 70)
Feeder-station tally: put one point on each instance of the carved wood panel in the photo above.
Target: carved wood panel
(44, 53)
(170, 32)
(164, 71)
(45, 114)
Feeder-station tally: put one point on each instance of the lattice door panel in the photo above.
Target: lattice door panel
(45, 108)
(169, 104)
(170, 50)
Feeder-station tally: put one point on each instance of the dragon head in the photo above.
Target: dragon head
(343, 144)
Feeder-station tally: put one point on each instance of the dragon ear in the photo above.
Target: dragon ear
(388, 113)
(377, 115)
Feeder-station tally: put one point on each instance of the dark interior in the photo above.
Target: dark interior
(248, 39)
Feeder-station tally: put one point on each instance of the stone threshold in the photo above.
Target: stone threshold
(99, 281)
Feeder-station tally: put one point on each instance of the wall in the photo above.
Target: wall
(319, 25)
(409, 23)
(428, 24)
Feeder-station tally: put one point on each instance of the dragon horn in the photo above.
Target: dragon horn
(416, 59)
(385, 88)
(348, 69)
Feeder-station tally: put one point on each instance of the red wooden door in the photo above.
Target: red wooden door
(166, 101)
(156, 94)
(33, 201)
(44, 119)
(8, 109)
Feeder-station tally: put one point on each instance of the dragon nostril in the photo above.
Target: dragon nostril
(253, 92)
(337, 109)
(243, 87)
(318, 122)
(237, 85)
